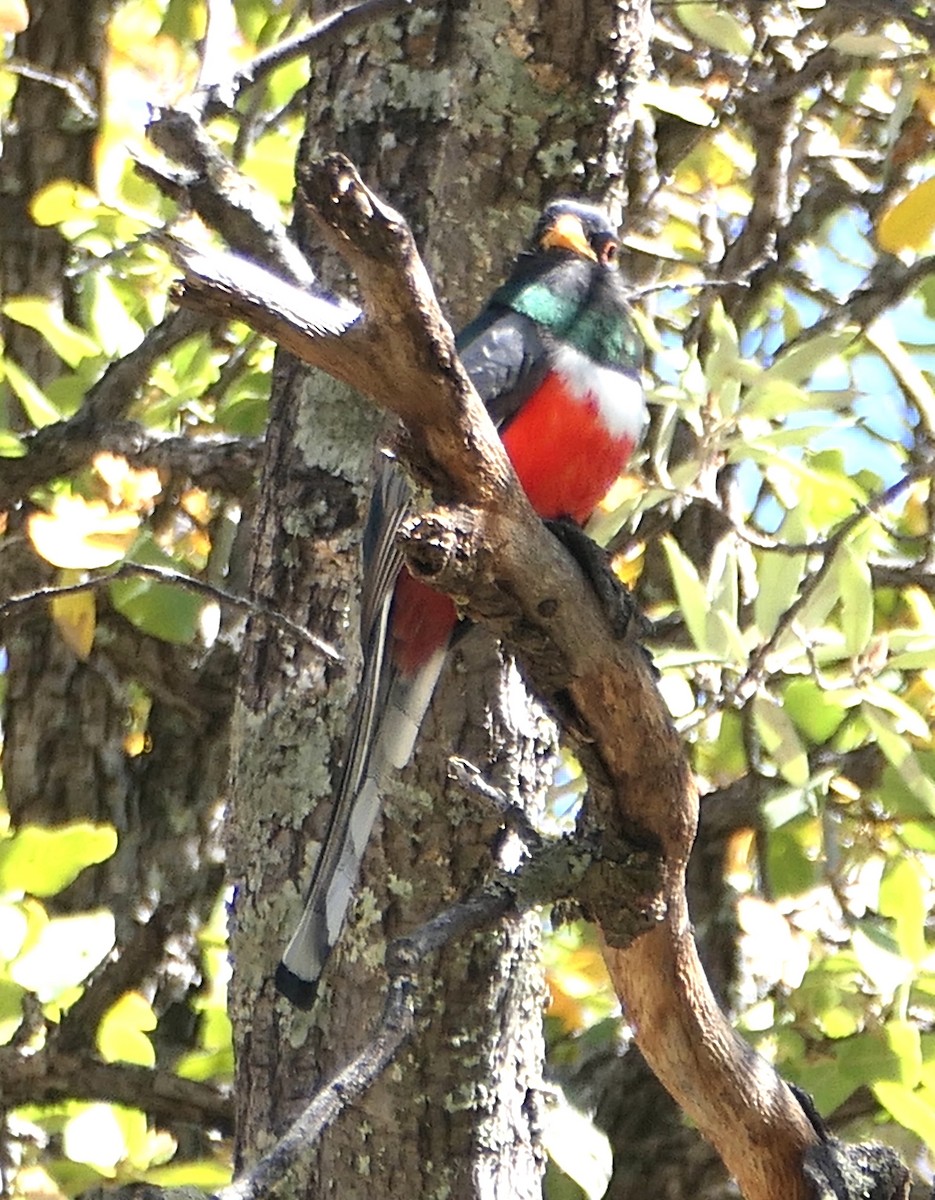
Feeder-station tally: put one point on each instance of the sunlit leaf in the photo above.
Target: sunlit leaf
(36, 405)
(914, 1110)
(772, 397)
(778, 577)
(64, 953)
(856, 600)
(43, 861)
(903, 897)
(578, 1148)
(208, 1175)
(690, 591)
(880, 959)
(865, 45)
(799, 364)
(684, 101)
(75, 617)
(14, 925)
(121, 1035)
(134, 487)
(910, 223)
(68, 342)
(95, 1137)
(82, 534)
(63, 200)
(716, 26)
(781, 739)
(10, 445)
(115, 330)
(883, 336)
(11, 1009)
(14, 16)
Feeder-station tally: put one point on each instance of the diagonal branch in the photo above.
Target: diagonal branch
(484, 545)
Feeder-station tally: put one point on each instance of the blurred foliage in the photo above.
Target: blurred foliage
(792, 418)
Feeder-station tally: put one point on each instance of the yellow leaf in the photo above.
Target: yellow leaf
(121, 1035)
(910, 223)
(82, 534)
(128, 485)
(197, 503)
(135, 743)
(75, 618)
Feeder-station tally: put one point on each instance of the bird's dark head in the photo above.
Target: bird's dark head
(577, 228)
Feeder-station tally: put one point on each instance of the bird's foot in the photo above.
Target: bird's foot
(614, 597)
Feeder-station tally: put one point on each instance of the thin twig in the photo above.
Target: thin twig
(175, 578)
(750, 679)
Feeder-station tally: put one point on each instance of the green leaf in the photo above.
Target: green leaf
(800, 363)
(879, 958)
(64, 954)
(905, 1041)
(689, 590)
(722, 364)
(68, 342)
(903, 893)
(828, 1086)
(717, 27)
(914, 1110)
(817, 712)
(856, 600)
(10, 445)
(723, 592)
(791, 857)
(35, 403)
(780, 738)
(163, 610)
(11, 1009)
(772, 397)
(867, 1058)
(45, 861)
(778, 576)
(578, 1148)
(205, 1066)
(121, 1035)
(899, 752)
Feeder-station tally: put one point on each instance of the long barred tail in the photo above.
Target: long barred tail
(338, 865)
(383, 730)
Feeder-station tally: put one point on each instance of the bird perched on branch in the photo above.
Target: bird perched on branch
(555, 357)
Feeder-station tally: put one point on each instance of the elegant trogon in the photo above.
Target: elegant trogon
(556, 358)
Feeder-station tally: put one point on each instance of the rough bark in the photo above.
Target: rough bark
(469, 119)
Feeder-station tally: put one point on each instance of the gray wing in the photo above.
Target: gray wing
(382, 732)
(506, 360)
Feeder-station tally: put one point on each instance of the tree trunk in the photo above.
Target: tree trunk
(468, 121)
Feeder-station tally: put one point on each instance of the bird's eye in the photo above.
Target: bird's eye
(608, 252)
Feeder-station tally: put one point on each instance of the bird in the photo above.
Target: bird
(556, 357)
